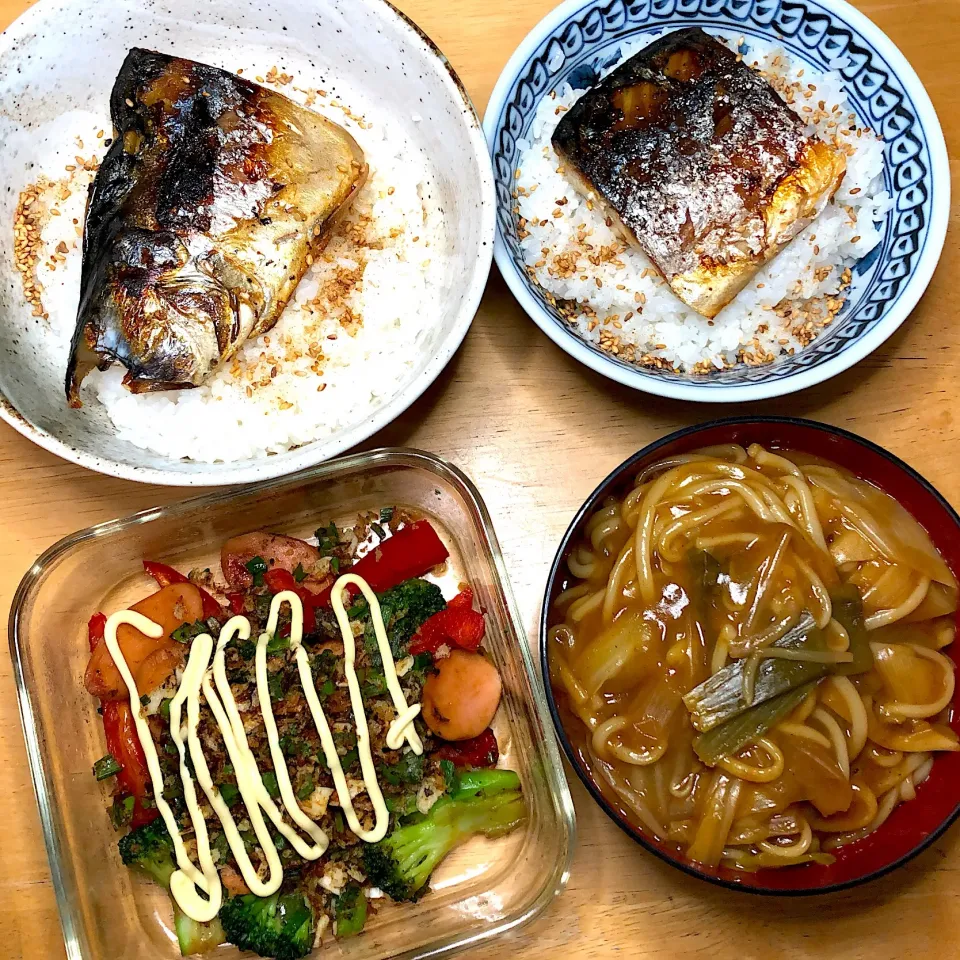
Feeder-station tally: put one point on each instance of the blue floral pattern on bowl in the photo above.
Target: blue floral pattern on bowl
(887, 98)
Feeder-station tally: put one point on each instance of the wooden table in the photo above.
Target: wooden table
(536, 431)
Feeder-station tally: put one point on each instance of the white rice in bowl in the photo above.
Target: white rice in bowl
(349, 337)
(615, 299)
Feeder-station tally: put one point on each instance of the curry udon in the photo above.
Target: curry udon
(752, 640)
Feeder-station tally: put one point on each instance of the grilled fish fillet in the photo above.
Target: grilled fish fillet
(200, 221)
(700, 163)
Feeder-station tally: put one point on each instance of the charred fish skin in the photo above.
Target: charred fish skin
(200, 220)
(699, 162)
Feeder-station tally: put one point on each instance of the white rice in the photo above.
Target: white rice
(631, 312)
(326, 365)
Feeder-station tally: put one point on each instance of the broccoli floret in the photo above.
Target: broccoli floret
(404, 607)
(150, 849)
(490, 804)
(280, 926)
(197, 937)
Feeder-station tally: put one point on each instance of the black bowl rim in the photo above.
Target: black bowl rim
(594, 791)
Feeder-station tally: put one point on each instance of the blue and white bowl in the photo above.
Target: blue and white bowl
(579, 40)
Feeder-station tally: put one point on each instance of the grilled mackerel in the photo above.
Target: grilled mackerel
(200, 221)
(700, 163)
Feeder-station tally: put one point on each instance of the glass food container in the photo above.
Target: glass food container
(111, 913)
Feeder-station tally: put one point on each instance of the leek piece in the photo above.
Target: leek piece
(848, 612)
(721, 696)
(737, 732)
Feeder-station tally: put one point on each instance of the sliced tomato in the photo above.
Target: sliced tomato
(95, 630)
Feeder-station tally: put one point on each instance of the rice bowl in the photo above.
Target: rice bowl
(615, 299)
(398, 306)
(576, 42)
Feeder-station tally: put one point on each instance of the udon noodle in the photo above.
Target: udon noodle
(753, 642)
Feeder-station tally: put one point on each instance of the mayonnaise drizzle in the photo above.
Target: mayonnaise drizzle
(188, 883)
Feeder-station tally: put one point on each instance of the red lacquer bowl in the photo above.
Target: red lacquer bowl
(913, 825)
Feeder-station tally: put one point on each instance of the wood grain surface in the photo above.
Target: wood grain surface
(536, 431)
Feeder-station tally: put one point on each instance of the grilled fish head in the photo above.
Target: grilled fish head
(201, 220)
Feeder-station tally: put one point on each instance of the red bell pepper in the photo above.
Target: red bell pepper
(457, 625)
(278, 580)
(481, 751)
(95, 630)
(165, 575)
(236, 602)
(124, 745)
(410, 552)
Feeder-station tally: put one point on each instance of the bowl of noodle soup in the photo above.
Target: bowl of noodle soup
(747, 638)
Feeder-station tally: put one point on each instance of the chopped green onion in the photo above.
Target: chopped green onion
(121, 813)
(144, 699)
(350, 912)
(306, 790)
(229, 793)
(450, 778)
(379, 531)
(277, 644)
(106, 767)
(275, 686)
(256, 567)
(349, 759)
(165, 708)
(335, 564)
(279, 841)
(270, 784)
(188, 632)
(299, 574)
(386, 514)
(327, 688)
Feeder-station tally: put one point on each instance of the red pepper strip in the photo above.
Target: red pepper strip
(124, 745)
(95, 630)
(165, 575)
(236, 602)
(410, 552)
(463, 599)
(458, 625)
(278, 580)
(481, 751)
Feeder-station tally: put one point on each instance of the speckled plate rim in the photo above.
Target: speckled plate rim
(846, 358)
(317, 451)
(589, 504)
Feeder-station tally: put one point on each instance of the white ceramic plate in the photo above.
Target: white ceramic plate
(61, 58)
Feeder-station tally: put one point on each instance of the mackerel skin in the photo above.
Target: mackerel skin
(200, 221)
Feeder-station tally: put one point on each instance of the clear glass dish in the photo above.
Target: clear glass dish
(108, 913)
